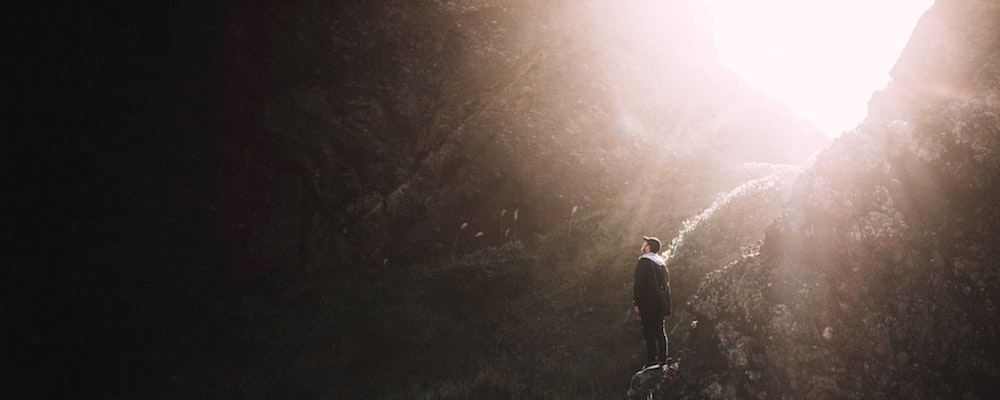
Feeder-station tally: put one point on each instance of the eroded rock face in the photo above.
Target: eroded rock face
(879, 280)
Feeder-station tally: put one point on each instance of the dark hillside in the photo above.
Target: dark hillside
(391, 122)
(391, 199)
(381, 153)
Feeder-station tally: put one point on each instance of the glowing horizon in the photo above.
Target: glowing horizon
(823, 59)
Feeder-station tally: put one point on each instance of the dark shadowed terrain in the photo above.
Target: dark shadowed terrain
(389, 199)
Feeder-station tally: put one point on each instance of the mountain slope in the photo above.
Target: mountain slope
(234, 199)
(879, 280)
(366, 133)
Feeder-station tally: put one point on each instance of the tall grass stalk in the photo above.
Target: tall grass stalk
(454, 243)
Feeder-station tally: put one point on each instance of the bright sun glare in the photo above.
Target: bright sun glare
(823, 59)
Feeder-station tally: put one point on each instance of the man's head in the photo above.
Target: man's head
(653, 243)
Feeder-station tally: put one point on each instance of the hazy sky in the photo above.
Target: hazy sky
(821, 58)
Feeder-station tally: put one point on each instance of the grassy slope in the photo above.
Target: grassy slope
(547, 317)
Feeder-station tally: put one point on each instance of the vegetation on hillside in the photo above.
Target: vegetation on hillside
(879, 278)
(545, 317)
(395, 199)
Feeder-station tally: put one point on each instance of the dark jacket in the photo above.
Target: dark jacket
(651, 288)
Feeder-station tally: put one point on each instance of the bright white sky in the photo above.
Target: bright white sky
(822, 58)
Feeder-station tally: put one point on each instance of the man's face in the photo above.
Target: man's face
(645, 247)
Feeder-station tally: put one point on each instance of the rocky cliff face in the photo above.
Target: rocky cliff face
(879, 279)
(367, 134)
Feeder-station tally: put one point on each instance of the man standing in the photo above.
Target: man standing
(651, 299)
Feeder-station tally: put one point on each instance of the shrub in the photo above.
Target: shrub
(486, 277)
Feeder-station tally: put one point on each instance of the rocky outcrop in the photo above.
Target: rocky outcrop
(650, 383)
(879, 279)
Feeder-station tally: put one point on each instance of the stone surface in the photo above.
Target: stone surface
(649, 384)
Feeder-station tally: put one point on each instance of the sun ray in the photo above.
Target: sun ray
(822, 59)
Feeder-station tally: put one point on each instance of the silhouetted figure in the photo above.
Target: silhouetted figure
(651, 300)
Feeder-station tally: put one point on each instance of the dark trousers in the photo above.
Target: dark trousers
(656, 339)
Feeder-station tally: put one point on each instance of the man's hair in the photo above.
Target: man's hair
(654, 243)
